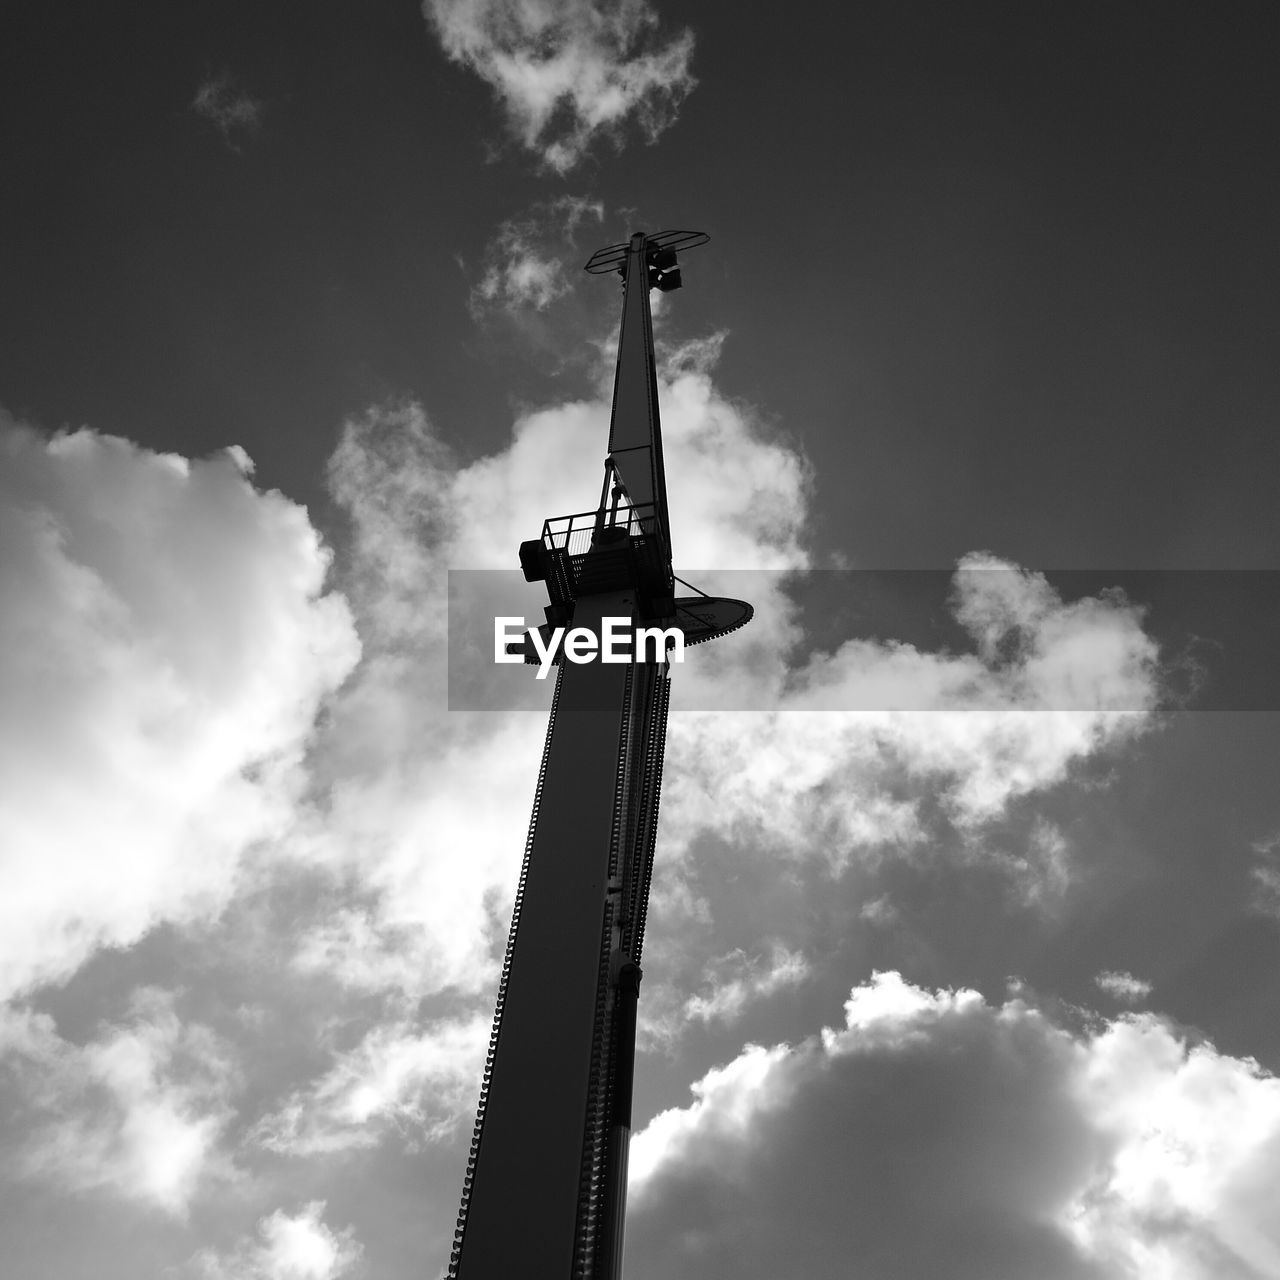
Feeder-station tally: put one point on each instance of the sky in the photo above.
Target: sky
(963, 954)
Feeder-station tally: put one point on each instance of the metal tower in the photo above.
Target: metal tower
(544, 1193)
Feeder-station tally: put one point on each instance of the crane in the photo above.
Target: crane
(544, 1192)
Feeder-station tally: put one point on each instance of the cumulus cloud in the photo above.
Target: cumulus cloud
(174, 644)
(1265, 875)
(879, 911)
(168, 644)
(733, 981)
(417, 797)
(567, 72)
(296, 1246)
(936, 1132)
(165, 643)
(420, 1081)
(524, 262)
(137, 1111)
(855, 748)
(1123, 986)
(1044, 873)
(825, 784)
(229, 108)
(429, 808)
(1034, 652)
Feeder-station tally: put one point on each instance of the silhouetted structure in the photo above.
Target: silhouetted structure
(545, 1189)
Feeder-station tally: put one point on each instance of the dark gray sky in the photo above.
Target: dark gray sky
(987, 279)
(1010, 269)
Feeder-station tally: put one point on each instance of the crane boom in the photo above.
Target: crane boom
(545, 1187)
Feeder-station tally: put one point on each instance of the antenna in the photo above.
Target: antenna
(660, 250)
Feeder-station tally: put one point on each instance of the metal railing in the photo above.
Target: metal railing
(573, 534)
(614, 548)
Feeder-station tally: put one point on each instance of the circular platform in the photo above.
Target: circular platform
(705, 618)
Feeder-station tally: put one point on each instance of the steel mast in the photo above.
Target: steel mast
(545, 1188)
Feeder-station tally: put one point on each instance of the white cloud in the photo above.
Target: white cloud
(1265, 874)
(1123, 986)
(1266, 879)
(289, 1247)
(524, 262)
(138, 1111)
(880, 911)
(1187, 1189)
(1034, 652)
(177, 647)
(422, 1082)
(1044, 872)
(230, 109)
(523, 278)
(437, 842)
(935, 1131)
(164, 647)
(429, 808)
(173, 646)
(1063, 682)
(733, 981)
(568, 71)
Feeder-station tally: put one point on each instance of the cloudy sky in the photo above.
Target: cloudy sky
(964, 948)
